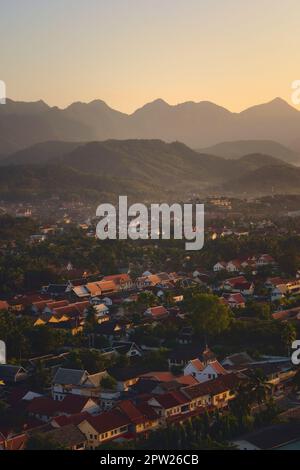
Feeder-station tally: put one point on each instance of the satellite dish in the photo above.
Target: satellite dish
(2, 352)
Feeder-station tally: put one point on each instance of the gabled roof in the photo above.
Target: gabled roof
(70, 376)
(127, 373)
(131, 411)
(236, 298)
(171, 399)
(218, 368)
(197, 364)
(213, 387)
(108, 421)
(157, 312)
(56, 288)
(235, 280)
(14, 443)
(107, 286)
(191, 351)
(239, 358)
(43, 406)
(73, 404)
(76, 419)
(9, 372)
(118, 279)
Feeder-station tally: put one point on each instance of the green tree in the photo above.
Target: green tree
(209, 316)
(40, 441)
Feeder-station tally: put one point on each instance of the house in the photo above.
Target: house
(45, 408)
(10, 374)
(147, 280)
(123, 282)
(234, 300)
(233, 266)
(56, 290)
(108, 287)
(203, 372)
(239, 284)
(287, 315)
(216, 393)
(101, 310)
(81, 291)
(77, 382)
(113, 330)
(142, 416)
(281, 287)
(156, 313)
(127, 377)
(74, 404)
(170, 405)
(265, 260)
(181, 355)
(93, 288)
(127, 348)
(44, 306)
(4, 305)
(104, 427)
(17, 442)
(219, 266)
(236, 360)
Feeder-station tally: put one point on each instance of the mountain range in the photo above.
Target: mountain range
(150, 170)
(198, 125)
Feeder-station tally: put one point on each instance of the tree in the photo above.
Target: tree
(109, 383)
(91, 320)
(41, 379)
(40, 441)
(88, 359)
(209, 315)
(287, 336)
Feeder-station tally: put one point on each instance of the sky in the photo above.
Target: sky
(128, 52)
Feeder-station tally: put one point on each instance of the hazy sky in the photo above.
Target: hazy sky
(128, 52)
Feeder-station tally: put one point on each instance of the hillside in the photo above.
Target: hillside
(236, 149)
(273, 179)
(149, 169)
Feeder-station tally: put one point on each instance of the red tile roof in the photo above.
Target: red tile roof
(3, 305)
(197, 364)
(72, 419)
(43, 406)
(171, 399)
(157, 312)
(72, 404)
(218, 368)
(108, 421)
(117, 278)
(131, 411)
(14, 443)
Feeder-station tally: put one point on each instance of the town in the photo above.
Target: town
(121, 344)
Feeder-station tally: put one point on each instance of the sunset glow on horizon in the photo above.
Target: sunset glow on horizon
(129, 52)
